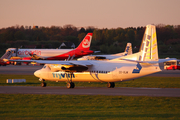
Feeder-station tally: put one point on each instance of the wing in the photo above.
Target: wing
(83, 63)
(68, 66)
(150, 62)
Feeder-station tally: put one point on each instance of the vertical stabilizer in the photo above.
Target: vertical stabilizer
(86, 42)
(148, 50)
(128, 49)
(148, 47)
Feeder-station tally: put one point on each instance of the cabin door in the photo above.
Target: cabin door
(115, 74)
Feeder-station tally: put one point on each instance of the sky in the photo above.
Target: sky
(83, 13)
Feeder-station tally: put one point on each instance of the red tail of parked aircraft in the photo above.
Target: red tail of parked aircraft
(85, 44)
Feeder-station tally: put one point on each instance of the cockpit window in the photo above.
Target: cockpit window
(44, 66)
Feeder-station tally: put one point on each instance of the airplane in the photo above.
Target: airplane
(52, 54)
(125, 68)
(128, 51)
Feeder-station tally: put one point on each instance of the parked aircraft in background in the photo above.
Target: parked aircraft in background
(128, 51)
(124, 68)
(52, 54)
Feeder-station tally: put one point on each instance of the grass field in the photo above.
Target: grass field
(19, 106)
(153, 82)
(93, 107)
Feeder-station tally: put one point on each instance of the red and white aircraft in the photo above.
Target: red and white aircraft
(54, 54)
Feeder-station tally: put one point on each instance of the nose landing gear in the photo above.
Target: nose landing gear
(43, 84)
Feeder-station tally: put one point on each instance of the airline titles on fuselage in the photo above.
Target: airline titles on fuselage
(27, 52)
(72, 75)
(63, 75)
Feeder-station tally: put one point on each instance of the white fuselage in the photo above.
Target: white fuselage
(41, 52)
(101, 71)
(104, 57)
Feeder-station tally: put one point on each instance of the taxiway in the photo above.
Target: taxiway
(125, 91)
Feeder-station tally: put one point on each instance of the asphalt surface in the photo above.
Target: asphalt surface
(125, 91)
(19, 69)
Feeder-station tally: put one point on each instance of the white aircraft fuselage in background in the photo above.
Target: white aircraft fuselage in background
(128, 51)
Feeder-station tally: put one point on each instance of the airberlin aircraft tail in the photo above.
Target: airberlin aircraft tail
(86, 42)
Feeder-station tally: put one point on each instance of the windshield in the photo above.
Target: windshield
(170, 63)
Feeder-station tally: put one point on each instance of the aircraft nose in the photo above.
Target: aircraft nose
(37, 73)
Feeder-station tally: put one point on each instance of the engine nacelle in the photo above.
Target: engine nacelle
(67, 68)
(74, 68)
(55, 67)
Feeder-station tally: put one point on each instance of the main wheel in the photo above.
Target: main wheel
(70, 85)
(110, 84)
(43, 84)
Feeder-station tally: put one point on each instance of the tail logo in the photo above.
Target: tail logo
(86, 41)
(127, 50)
(138, 68)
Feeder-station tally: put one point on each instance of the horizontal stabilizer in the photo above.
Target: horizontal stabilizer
(97, 51)
(150, 62)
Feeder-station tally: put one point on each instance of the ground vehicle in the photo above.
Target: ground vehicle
(15, 58)
(2, 63)
(172, 65)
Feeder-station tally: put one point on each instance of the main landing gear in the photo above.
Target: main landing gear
(70, 85)
(110, 84)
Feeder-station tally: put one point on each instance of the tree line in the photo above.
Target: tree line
(108, 41)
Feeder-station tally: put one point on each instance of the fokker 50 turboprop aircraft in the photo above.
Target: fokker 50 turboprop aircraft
(53, 54)
(128, 67)
(128, 51)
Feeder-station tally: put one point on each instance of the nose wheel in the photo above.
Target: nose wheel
(43, 84)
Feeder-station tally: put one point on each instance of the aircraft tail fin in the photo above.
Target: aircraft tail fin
(128, 49)
(149, 47)
(148, 50)
(86, 42)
